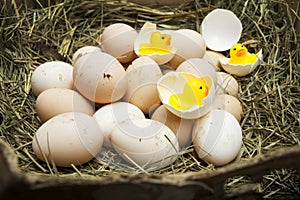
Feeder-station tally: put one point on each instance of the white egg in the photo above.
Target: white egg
(173, 83)
(147, 143)
(83, 51)
(227, 84)
(100, 77)
(68, 138)
(221, 29)
(217, 137)
(53, 74)
(111, 115)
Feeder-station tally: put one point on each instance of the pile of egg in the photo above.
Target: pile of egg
(98, 101)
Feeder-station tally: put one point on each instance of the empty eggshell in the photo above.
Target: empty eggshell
(55, 101)
(229, 103)
(240, 70)
(182, 128)
(53, 74)
(173, 83)
(142, 76)
(118, 40)
(83, 51)
(68, 138)
(221, 29)
(189, 44)
(111, 115)
(100, 77)
(213, 58)
(227, 84)
(148, 143)
(199, 67)
(217, 137)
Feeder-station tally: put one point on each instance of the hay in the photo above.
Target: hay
(269, 95)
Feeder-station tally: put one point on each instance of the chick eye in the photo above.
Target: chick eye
(163, 37)
(242, 46)
(200, 88)
(234, 49)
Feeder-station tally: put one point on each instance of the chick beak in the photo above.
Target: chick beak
(241, 52)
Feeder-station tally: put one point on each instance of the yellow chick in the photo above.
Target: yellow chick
(193, 93)
(159, 44)
(239, 55)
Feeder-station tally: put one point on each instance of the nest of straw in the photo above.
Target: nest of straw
(31, 34)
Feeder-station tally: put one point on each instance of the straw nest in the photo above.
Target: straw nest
(32, 35)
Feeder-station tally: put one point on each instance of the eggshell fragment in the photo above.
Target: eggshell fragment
(189, 44)
(147, 143)
(68, 138)
(142, 76)
(55, 101)
(182, 128)
(217, 137)
(229, 103)
(213, 58)
(221, 29)
(111, 115)
(199, 67)
(53, 74)
(173, 83)
(100, 77)
(240, 70)
(227, 84)
(118, 40)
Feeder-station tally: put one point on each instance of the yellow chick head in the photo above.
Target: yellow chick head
(199, 88)
(238, 50)
(159, 39)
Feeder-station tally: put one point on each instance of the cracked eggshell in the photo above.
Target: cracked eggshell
(144, 37)
(111, 115)
(148, 143)
(173, 83)
(217, 137)
(55, 101)
(182, 128)
(68, 138)
(118, 40)
(240, 70)
(189, 44)
(100, 77)
(53, 74)
(221, 29)
(142, 76)
(227, 84)
(213, 58)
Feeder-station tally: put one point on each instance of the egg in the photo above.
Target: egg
(241, 69)
(213, 58)
(227, 84)
(146, 143)
(221, 29)
(199, 67)
(53, 74)
(100, 77)
(217, 137)
(182, 128)
(118, 40)
(54, 101)
(189, 44)
(174, 83)
(68, 138)
(83, 51)
(229, 103)
(111, 115)
(142, 76)
(157, 44)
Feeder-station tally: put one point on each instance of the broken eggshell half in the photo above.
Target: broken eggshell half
(240, 69)
(173, 83)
